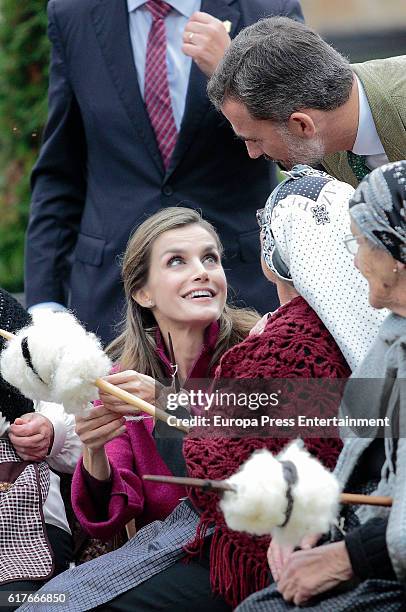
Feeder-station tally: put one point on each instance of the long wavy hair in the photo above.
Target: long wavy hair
(135, 347)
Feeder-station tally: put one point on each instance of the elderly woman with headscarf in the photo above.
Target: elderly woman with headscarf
(366, 569)
(322, 330)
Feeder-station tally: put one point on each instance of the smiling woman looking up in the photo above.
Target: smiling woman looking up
(174, 282)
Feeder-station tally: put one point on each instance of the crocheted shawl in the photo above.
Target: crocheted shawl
(295, 343)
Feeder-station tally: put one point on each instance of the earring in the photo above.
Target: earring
(395, 270)
(150, 303)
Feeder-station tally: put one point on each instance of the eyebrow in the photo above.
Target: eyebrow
(179, 251)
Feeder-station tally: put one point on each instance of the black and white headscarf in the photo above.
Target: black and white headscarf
(304, 224)
(378, 207)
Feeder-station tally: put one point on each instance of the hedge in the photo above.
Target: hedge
(24, 59)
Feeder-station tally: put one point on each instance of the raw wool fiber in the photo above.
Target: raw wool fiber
(65, 357)
(260, 500)
(259, 505)
(316, 497)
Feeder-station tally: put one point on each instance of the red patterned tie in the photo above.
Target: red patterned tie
(156, 93)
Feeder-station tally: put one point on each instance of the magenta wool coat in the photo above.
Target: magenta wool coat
(103, 508)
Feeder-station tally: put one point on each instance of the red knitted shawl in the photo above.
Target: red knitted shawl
(294, 344)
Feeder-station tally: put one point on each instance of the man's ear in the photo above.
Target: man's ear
(301, 125)
(142, 298)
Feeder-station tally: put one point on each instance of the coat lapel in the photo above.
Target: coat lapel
(376, 78)
(197, 102)
(112, 31)
(388, 122)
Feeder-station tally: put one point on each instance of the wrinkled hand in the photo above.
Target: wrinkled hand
(32, 436)
(278, 555)
(98, 427)
(307, 573)
(205, 40)
(260, 325)
(141, 385)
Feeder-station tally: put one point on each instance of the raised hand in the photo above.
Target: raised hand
(205, 40)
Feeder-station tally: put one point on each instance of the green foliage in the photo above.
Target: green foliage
(24, 58)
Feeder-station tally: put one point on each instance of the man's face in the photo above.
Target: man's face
(274, 141)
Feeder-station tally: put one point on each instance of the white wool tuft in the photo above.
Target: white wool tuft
(67, 358)
(260, 503)
(316, 497)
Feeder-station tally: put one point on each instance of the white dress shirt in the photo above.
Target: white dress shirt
(65, 453)
(367, 141)
(178, 63)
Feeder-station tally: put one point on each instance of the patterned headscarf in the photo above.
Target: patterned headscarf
(304, 224)
(378, 207)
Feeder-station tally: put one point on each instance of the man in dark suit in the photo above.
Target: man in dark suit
(101, 171)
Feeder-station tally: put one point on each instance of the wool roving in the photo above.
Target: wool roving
(55, 360)
(265, 503)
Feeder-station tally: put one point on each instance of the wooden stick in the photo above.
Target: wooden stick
(124, 396)
(365, 500)
(222, 485)
(218, 485)
(6, 334)
(137, 402)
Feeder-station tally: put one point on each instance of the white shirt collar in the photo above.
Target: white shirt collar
(184, 7)
(367, 141)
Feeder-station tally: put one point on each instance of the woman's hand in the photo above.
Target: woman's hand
(32, 436)
(278, 555)
(141, 385)
(99, 427)
(307, 573)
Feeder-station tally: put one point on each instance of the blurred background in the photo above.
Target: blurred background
(360, 29)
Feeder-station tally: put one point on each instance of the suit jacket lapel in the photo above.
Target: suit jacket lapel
(389, 125)
(197, 102)
(112, 31)
(388, 122)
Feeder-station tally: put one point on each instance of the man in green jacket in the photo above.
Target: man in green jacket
(294, 99)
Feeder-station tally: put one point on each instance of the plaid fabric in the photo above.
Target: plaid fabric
(152, 550)
(369, 596)
(25, 552)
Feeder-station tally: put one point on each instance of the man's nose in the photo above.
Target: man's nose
(254, 151)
